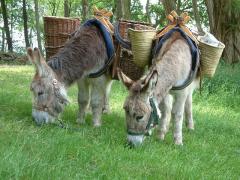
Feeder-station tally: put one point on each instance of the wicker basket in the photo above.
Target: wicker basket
(209, 57)
(129, 67)
(57, 32)
(124, 25)
(126, 62)
(141, 41)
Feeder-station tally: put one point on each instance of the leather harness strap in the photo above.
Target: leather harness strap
(153, 121)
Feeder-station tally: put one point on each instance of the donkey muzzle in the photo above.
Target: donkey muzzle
(135, 140)
(41, 117)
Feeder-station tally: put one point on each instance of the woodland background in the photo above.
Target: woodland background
(24, 18)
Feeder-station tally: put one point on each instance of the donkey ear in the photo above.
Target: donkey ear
(30, 55)
(125, 80)
(36, 58)
(150, 80)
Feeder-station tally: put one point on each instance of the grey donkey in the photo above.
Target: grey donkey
(83, 54)
(172, 67)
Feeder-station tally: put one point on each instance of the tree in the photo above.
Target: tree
(197, 16)
(169, 5)
(54, 7)
(225, 25)
(136, 10)
(66, 8)
(3, 39)
(123, 9)
(148, 11)
(85, 7)
(25, 24)
(37, 25)
(6, 26)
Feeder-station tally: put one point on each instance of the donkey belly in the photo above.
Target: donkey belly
(94, 91)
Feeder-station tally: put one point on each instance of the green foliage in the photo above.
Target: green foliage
(137, 11)
(157, 12)
(56, 7)
(49, 152)
(235, 8)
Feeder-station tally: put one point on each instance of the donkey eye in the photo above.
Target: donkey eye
(40, 93)
(138, 118)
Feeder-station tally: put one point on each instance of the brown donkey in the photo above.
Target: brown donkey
(83, 54)
(172, 68)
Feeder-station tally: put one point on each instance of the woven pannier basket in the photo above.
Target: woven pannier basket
(57, 31)
(127, 61)
(209, 57)
(141, 41)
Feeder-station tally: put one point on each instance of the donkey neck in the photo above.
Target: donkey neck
(83, 54)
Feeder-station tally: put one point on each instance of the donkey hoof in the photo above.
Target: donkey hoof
(161, 137)
(178, 142)
(106, 111)
(80, 121)
(97, 123)
(190, 127)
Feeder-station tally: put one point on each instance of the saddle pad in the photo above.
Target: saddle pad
(105, 33)
(193, 47)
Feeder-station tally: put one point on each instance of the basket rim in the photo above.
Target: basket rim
(220, 46)
(142, 30)
(61, 18)
(136, 22)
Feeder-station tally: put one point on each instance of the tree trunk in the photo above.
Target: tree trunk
(6, 26)
(123, 9)
(25, 25)
(3, 40)
(169, 5)
(37, 25)
(66, 8)
(85, 7)
(225, 26)
(178, 8)
(209, 4)
(197, 16)
(30, 37)
(147, 11)
(54, 7)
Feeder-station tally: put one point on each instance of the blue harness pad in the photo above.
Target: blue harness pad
(191, 43)
(106, 35)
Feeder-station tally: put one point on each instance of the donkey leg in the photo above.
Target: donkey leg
(83, 99)
(177, 115)
(188, 112)
(97, 99)
(165, 107)
(106, 107)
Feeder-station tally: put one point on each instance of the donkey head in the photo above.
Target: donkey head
(49, 95)
(137, 106)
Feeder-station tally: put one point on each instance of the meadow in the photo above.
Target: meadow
(28, 151)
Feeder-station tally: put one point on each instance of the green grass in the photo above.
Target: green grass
(27, 151)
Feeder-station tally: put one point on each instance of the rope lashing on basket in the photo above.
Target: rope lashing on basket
(103, 16)
(180, 21)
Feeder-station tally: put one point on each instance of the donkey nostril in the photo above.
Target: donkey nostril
(138, 118)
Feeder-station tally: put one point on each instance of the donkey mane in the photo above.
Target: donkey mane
(81, 55)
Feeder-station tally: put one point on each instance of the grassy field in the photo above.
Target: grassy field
(27, 151)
